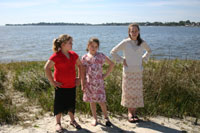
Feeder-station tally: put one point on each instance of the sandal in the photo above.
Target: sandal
(75, 124)
(59, 130)
(131, 120)
(135, 117)
(108, 123)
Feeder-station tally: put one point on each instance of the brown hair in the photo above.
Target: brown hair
(61, 39)
(139, 39)
(93, 39)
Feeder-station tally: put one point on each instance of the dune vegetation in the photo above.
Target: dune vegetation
(171, 88)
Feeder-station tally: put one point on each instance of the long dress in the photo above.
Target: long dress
(132, 84)
(94, 83)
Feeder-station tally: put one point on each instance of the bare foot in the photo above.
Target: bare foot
(94, 123)
(130, 118)
(58, 128)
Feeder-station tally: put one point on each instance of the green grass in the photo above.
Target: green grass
(2, 79)
(7, 111)
(171, 87)
(30, 79)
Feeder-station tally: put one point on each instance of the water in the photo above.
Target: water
(28, 43)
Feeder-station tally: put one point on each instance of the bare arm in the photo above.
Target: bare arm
(80, 72)
(49, 64)
(83, 78)
(111, 65)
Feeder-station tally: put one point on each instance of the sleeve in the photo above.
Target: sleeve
(76, 56)
(146, 55)
(83, 61)
(114, 51)
(103, 57)
(53, 58)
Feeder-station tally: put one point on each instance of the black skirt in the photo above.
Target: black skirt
(65, 100)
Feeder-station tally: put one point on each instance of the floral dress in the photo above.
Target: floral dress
(94, 83)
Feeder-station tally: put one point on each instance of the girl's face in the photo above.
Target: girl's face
(93, 47)
(134, 32)
(68, 45)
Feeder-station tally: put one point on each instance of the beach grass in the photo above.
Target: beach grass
(7, 110)
(171, 87)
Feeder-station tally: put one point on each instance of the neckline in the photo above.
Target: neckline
(66, 55)
(91, 56)
(132, 40)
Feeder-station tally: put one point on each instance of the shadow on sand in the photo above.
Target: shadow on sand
(114, 129)
(142, 124)
(83, 130)
(157, 127)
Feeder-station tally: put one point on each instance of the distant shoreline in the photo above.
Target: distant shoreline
(180, 23)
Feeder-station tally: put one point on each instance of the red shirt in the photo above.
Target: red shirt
(64, 68)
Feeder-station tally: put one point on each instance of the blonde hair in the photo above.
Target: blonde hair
(93, 39)
(58, 41)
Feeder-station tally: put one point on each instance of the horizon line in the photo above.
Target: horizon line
(101, 23)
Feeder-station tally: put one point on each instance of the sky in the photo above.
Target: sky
(98, 11)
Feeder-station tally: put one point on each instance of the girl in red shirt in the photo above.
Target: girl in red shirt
(64, 61)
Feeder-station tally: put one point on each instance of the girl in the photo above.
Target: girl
(93, 86)
(64, 60)
(132, 86)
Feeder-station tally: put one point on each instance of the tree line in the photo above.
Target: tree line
(180, 23)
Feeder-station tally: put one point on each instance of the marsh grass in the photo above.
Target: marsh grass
(171, 87)
(7, 110)
(30, 79)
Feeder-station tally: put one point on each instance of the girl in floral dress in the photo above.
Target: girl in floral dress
(93, 84)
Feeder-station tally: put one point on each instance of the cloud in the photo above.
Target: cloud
(174, 3)
(168, 3)
(88, 1)
(18, 4)
(24, 4)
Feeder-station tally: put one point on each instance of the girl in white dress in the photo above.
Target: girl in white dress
(132, 86)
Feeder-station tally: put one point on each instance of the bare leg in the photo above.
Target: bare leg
(73, 122)
(93, 109)
(131, 112)
(71, 115)
(104, 109)
(58, 122)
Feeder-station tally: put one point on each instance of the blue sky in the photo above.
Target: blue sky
(98, 11)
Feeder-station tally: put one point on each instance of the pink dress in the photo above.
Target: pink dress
(94, 83)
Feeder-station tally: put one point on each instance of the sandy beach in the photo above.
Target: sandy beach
(46, 124)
